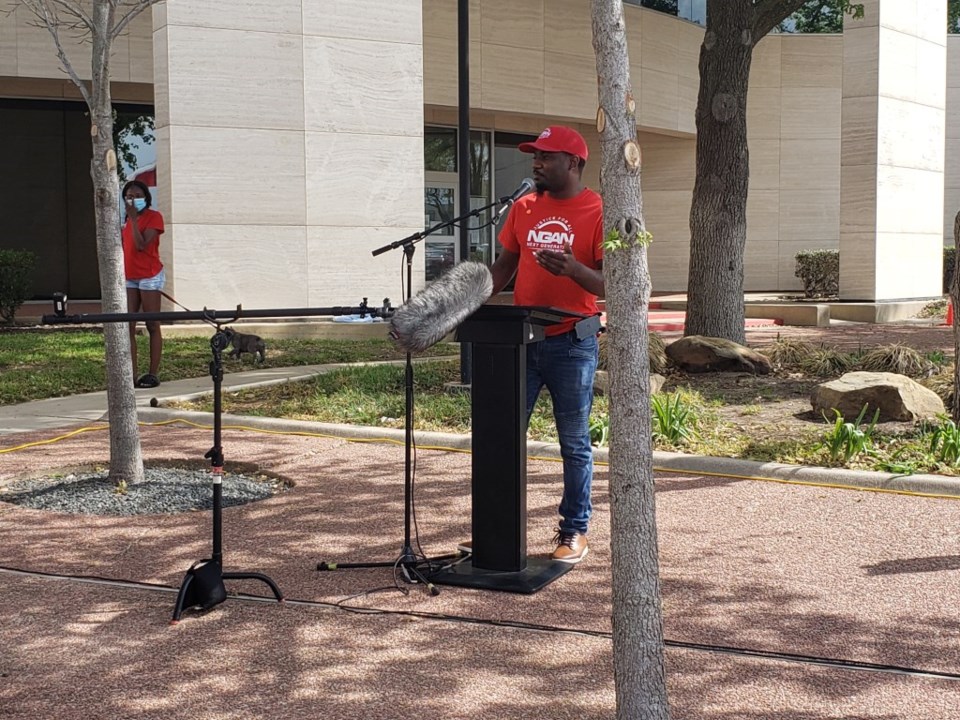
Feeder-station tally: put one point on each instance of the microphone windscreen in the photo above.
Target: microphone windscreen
(427, 317)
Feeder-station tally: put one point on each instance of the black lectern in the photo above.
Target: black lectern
(499, 464)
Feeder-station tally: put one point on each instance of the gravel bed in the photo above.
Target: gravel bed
(164, 490)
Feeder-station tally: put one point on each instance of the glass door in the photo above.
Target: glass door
(440, 205)
(442, 198)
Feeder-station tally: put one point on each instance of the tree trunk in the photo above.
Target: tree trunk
(126, 459)
(638, 662)
(718, 214)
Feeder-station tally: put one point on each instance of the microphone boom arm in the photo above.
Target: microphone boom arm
(417, 236)
(221, 316)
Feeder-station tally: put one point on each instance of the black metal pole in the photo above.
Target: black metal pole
(222, 316)
(407, 554)
(409, 562)
(217, 343)
(203, 584)
(463, 147)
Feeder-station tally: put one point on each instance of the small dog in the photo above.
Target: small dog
(246, 343)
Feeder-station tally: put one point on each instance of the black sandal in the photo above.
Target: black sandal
(148, 380)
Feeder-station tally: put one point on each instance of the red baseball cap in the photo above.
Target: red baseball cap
(558, 138)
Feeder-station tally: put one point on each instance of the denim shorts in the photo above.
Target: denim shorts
(155, 283)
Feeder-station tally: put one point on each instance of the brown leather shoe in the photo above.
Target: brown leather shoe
(571, 547)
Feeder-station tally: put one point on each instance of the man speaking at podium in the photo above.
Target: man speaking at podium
(552, 241)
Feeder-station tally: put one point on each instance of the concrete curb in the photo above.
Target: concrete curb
(938, 485)
(243, 380)
(806, 474)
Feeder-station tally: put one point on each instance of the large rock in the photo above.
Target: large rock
(896, 396)
(697, 354)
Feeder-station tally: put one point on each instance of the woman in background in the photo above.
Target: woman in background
(144, 272)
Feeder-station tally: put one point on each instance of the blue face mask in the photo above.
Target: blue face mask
(140, 204)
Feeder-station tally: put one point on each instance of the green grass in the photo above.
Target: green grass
(43, 364)
(36, 365)
(376, 396)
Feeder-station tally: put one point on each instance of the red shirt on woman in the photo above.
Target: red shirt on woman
(142, 264)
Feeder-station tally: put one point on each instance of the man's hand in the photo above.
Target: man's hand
(557, 263)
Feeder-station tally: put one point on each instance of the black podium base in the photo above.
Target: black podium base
(538, 573)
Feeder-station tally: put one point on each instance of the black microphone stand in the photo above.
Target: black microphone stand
(203, 582)
(414, 566)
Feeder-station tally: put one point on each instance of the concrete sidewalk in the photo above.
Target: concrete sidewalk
(89, 407)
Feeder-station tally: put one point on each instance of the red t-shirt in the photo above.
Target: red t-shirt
(142, 264)
(541, 222)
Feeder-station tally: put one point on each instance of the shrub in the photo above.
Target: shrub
(788, 353)
(674, 418)
(897, 358)
(849, 439)
(599, 430)
(826, 362)
(658, 354)
(937, 357)
(16, 277)
(942, 385)
(820, 272)
(945, 441)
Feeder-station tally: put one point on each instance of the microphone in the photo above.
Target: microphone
(427, 317)
(525, 186)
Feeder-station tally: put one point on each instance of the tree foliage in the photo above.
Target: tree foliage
(816, 16)
(126, 127)
(826, 16)
(664, 6)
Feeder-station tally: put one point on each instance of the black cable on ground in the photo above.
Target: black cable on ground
(752, 653)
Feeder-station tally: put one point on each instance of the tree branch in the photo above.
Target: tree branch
(51, 21)
(767, 14)
(138, 7)
(75, 10)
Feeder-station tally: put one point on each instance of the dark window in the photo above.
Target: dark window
(46, 200)
(693, 10)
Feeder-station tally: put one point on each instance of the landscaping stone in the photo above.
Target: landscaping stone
(698, 354)
(898, 397)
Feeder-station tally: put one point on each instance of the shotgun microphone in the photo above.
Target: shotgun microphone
(427, 317)
(526, 185)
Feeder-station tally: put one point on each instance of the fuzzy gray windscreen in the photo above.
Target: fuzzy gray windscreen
(428, 316)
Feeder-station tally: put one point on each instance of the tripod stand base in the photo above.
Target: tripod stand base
(538, 573)
(413, 570)
(203, 587)
(401, 563)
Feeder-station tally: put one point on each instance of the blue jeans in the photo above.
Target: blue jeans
(567, 367)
